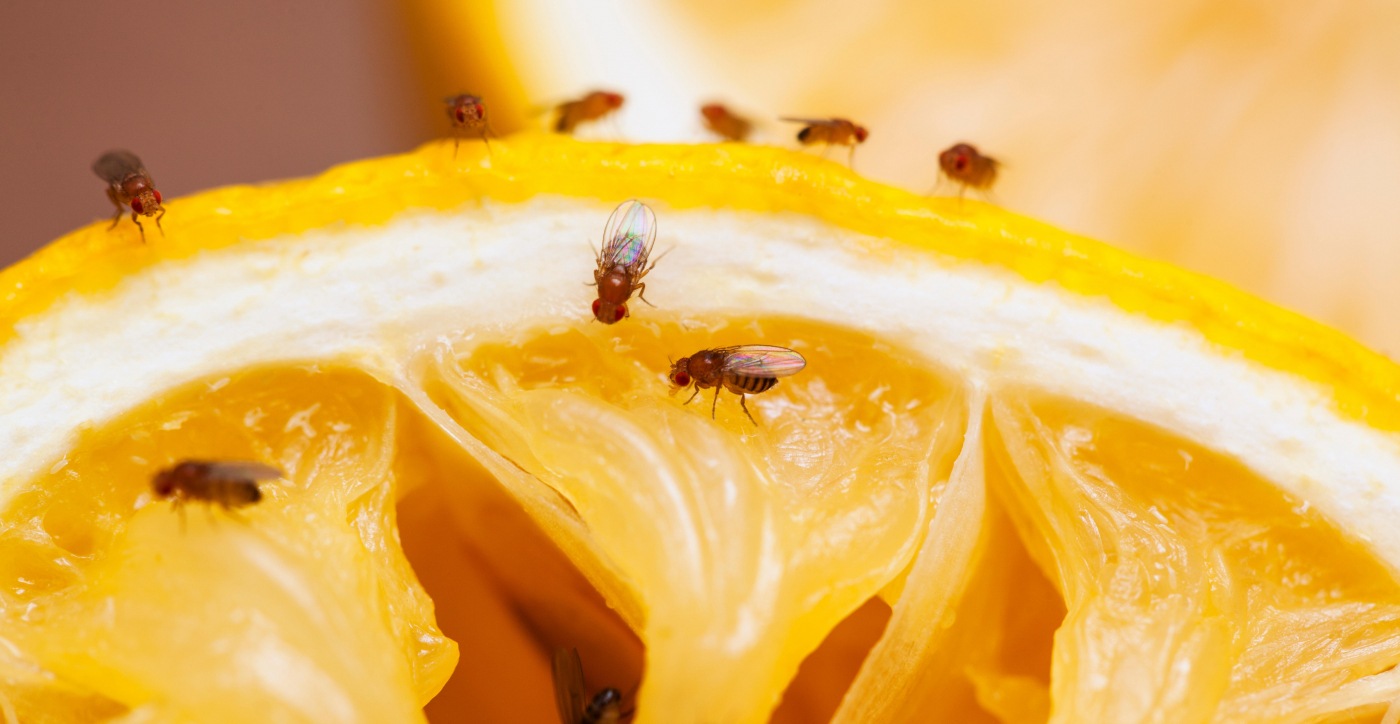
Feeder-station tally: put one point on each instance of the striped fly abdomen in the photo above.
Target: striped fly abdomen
(747, 385)
(743, 370)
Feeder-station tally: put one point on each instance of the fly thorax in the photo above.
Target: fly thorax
(614, 286)
(135, 186)
(705, 368)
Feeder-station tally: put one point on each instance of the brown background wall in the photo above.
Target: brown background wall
(207, 93)
(1250, 141)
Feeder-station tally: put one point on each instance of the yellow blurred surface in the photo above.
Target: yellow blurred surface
(1252, 141)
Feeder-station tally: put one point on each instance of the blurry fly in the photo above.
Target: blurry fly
(467, 114)
(129, 184)
(832, 132)
(725, 123)
(744, 370)
(229, 485)
(622, 261)
(605, 707)
(968, 168)
(591, 107)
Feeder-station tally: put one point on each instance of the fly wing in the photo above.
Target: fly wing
(242, 470)
(812, 121)
(568, 685)
(629, 235)
(115, 166)
(762, 360)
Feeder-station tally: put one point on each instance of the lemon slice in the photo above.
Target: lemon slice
(1023, 476)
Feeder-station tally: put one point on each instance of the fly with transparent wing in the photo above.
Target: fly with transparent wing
(129, 185)
(467, 114)
(228, 484)
(628, 239)
(832, 132)
(748, 369)
(605, 707)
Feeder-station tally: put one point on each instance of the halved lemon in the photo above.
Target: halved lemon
(1024, 476)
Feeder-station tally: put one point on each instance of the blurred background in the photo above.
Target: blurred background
(1251, 140)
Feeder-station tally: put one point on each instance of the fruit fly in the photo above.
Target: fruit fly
(622, 260)
(832, 132)
(129, 184)
(605, 707)
(467, 114)
(591, 107)
(744, 370)
(227, 484)
(967, 167)
(725, 123)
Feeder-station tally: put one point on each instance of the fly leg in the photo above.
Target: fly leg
(851, 158)
(228, 510)
(159, 216)
(112, 196)
(641, 290)
(715, 403)
(692, 395)
(136, 220)
(652, 265)
(746, 410)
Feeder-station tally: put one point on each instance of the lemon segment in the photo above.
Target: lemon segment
(788, 532)
(295, 602)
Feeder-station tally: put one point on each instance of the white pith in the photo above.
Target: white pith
(372, 296)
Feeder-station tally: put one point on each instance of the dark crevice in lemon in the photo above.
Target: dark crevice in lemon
(815, 693)
(1007, 624)
(993, 660)
(501, 589)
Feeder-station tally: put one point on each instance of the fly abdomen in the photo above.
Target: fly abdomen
(746, 384)
(604, 708)
(235, 493)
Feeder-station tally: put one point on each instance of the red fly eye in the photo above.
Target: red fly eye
(480, 110)
(461, 115)
(596, 304)
(157, 193)
(137, 206)
(620, 312)
(681, 379)
(961, 162)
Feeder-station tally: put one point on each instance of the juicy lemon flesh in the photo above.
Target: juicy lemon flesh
(302, 603)
(1193, 587)
(757, 564)
(732, 548)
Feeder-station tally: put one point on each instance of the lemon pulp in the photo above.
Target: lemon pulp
(806, 525)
